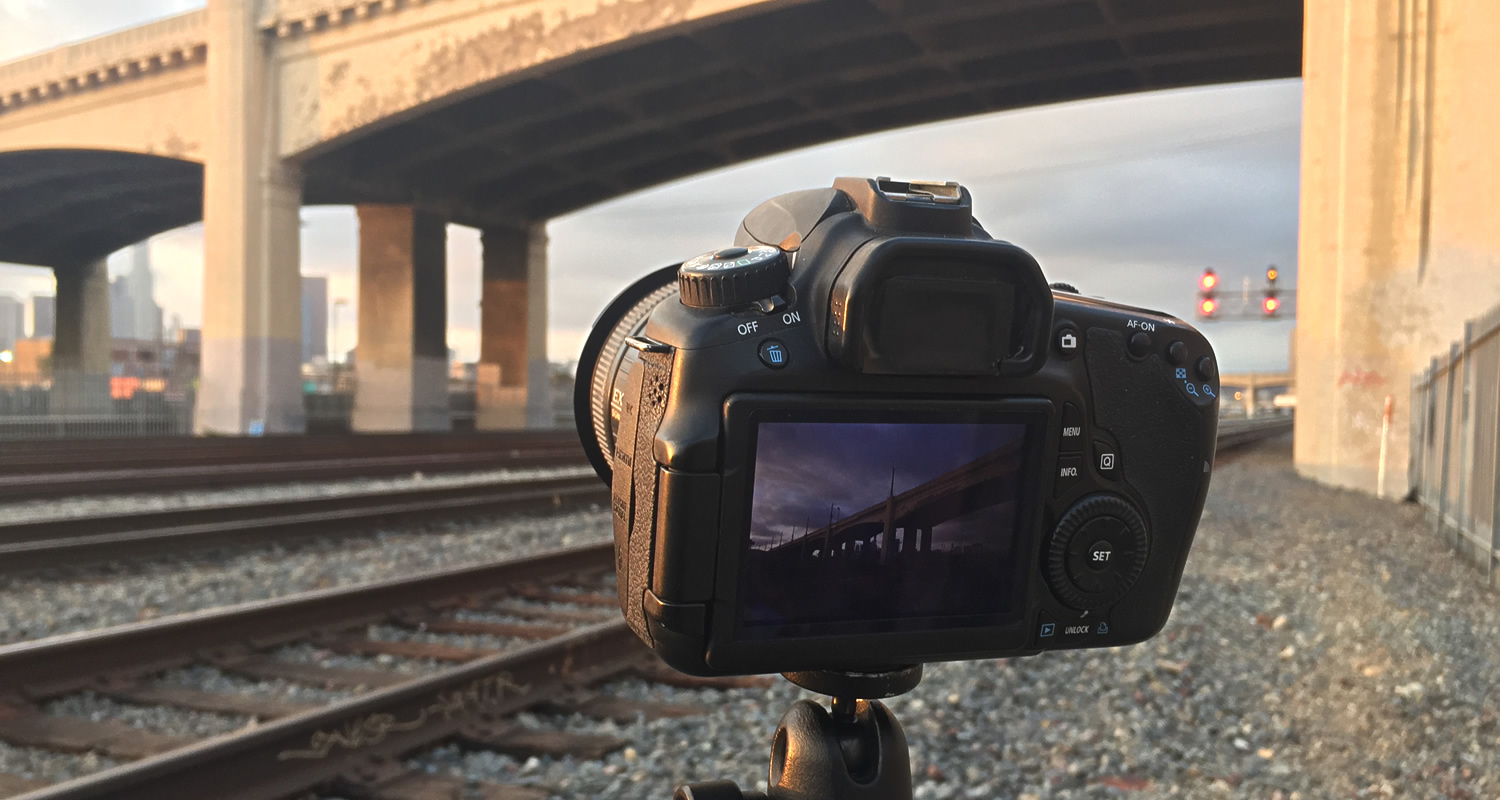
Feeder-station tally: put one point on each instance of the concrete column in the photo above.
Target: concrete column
(1249, 396)
(515, 382)
(252, 327)
(1398, 243)
(402, 356)
(81, 342)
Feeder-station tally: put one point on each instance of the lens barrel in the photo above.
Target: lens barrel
(604, 354)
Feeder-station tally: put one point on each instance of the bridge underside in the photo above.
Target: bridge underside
(65, 208)
(744, 86)
(724, 90)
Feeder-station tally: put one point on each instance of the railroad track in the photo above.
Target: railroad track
(53, 468)
(34, 544)
(539, 634)
(1236, 432)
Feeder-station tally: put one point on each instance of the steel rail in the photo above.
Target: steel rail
(36, 544)
(299, 752)
(37, 469)
(45, 667)
(359, 739)
(1234, 433)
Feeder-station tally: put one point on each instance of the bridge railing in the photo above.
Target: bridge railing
(71, 66)
(1455, 442)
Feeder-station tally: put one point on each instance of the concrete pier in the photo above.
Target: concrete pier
(252, 284)
(514, 389)
(402, 355)
(80, 348)
(1399, 238)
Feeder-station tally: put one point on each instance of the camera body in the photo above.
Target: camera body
(871, 436)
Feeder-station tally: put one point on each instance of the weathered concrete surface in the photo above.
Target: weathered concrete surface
(80, 351)
(252, 317)
(1400, 218)
(139, 90)
(347, 77)
(402, 355)
(514, 388)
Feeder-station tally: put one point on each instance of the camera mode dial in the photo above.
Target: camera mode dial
(1097, 552)
(733, 276)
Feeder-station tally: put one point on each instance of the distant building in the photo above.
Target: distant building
(133, 312)
(12, 321)
(314, 317)
(43, 316)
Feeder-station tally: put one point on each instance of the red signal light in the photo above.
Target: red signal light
(1270, 305)
(1208, 306)
(1209, 281)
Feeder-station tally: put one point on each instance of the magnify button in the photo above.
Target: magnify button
(1191, 389)
(1208, 390)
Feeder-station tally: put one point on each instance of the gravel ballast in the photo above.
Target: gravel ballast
(90, 505)
(60, 601)
(1324, 644)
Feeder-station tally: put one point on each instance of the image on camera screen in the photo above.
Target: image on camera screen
(872, 527)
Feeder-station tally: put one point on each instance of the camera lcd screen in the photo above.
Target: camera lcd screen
(861, 527)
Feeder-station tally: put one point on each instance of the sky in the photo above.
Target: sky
(1128, 198)
(804, 469)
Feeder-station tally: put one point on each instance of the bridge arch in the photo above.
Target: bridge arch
(558, 135)
(67, 207)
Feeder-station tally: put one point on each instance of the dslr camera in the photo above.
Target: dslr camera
(869, 436)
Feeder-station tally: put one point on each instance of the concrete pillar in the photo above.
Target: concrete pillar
(252, 327)
(1249, 396)
(81, 342)
(1399, 242)
(402, 356)
(515, 383)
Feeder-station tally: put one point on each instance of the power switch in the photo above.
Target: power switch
(1072, 429)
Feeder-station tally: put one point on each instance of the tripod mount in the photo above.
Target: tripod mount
(856, 751)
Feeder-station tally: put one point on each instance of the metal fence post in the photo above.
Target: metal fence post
(1466, 429)
(1442, 504)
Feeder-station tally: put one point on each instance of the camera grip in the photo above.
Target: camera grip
(648, 394)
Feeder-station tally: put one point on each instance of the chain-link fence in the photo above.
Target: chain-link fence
(45, 406)
(1455, 442)
(37, 406)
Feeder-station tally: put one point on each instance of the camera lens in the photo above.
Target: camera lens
(604, 357)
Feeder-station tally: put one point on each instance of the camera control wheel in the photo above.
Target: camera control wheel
(733, 276)
(1097, 552)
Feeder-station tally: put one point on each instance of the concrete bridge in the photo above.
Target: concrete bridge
(503, 113)
(1247, 388)
(914, 512)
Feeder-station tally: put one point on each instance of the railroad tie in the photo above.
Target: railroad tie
(31, 727)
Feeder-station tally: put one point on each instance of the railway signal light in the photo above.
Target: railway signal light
(1208, 300)
(1271, 303)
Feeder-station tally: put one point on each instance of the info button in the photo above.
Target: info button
(1069, 471)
